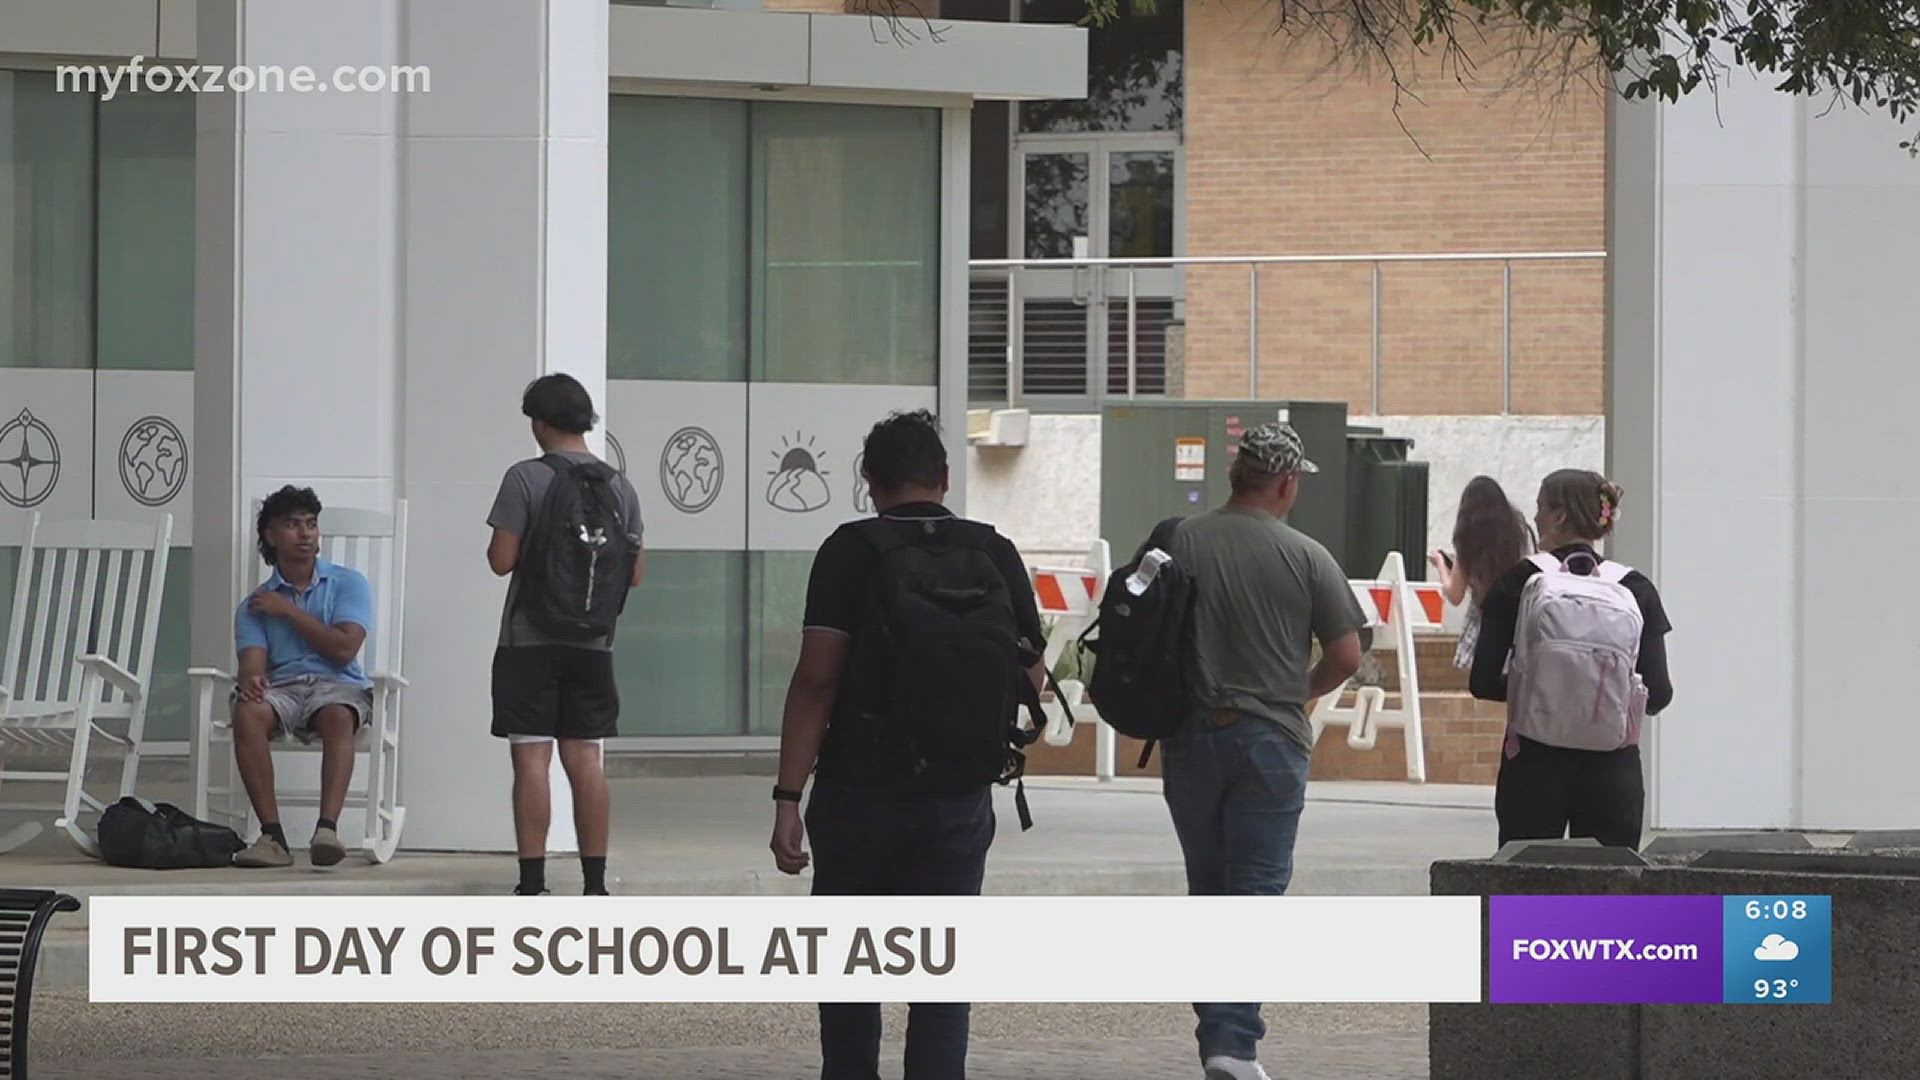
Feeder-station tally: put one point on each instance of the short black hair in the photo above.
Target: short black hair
(560, 402)
(284, 503)
(905, 448)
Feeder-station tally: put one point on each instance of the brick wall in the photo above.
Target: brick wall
(1288, 156)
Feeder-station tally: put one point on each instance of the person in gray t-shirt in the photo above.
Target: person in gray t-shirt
(1236, 773)
(547, 690)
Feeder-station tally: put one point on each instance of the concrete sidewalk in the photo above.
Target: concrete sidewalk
(708, 836)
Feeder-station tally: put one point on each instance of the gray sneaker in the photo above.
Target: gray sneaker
(326, 848)
(1226, 1068)
(265, 852)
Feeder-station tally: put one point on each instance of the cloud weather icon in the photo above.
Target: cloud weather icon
(1776, 947)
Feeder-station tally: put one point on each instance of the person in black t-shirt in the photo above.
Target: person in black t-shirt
(874, 833)
(1549, 792)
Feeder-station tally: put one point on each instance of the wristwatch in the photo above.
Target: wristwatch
(781, 794)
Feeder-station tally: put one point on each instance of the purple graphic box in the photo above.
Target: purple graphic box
(1614, 950)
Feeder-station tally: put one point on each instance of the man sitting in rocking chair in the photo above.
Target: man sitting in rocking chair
(299, 638)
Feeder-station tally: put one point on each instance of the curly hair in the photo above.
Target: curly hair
(284, 503)
(1590, 501)
(905, 448)
(1490, 535)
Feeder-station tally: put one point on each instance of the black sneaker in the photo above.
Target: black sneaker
(521, 890)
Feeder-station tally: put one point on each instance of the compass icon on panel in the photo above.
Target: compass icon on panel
(29, 460)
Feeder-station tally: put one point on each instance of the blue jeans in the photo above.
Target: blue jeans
(1235, 791)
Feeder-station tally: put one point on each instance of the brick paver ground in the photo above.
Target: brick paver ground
(1388, 1055)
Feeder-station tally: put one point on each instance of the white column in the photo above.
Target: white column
(1760, 357)
(295, 349)
(380, 275)
(504, 228)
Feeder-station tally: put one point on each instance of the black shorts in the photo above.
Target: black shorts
(558, 691)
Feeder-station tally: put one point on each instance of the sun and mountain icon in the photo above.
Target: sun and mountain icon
(798, 484)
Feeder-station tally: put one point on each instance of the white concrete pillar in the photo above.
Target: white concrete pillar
(505, 232)
(1760, 366)
(380, 276)
(295, 350)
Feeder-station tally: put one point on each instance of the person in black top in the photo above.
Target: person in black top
(875, 830)
(1549, 792)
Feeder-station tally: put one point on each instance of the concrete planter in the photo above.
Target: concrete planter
(1868, 1031)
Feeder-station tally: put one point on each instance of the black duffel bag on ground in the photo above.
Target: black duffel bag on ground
(163, 837)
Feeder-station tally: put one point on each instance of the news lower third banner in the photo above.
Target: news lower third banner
(772, 949)
(1643, 950)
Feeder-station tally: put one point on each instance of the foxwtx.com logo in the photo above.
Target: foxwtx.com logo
(1608, 949)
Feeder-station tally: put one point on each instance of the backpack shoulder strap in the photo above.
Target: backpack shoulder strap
(1545, 561)
(1614, 572)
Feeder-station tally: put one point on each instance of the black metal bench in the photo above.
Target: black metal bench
(24, 915)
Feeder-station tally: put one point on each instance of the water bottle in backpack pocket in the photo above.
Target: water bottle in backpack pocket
(1576, 645)
(1142, 643)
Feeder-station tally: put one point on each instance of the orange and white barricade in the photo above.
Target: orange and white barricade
(1396, 610)
(1070, 596)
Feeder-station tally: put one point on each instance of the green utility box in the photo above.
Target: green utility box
(1387, 504)
(1162, 459)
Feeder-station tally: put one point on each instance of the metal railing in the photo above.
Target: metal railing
(1075, 332)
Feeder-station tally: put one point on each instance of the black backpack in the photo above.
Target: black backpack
(938, 676)
(163, 838)
(578, 561)
(1143, 648)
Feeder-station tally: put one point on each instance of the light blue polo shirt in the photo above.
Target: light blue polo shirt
(339, 594)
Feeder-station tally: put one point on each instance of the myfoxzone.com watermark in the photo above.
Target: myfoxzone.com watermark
(137, 75)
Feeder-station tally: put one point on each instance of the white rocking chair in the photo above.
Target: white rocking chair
(79, 659)
(375, 544)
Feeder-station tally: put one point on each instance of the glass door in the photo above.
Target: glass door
(1090, 331)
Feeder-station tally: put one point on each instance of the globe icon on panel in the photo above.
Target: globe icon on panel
(29, 460)
(691, 469)
(153, 461)
(799, 484)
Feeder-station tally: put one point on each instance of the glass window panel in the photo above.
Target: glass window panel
(847, 243)
(1056, 204)
(46, 223)
(168, 715)
(677, 239)
(1140, 204)
(680, 655)
(1135, 77)
(780, 602)
(146, 231)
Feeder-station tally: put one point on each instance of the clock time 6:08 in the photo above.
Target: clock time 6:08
(1779, 909)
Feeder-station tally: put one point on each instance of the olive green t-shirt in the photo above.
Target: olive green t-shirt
(1265, 593)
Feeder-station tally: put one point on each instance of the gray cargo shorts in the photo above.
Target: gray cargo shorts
(296, 702)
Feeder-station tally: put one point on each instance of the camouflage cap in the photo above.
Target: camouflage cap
(1275, 449)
